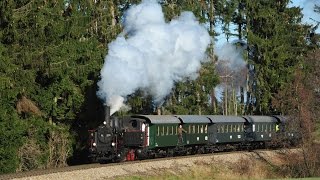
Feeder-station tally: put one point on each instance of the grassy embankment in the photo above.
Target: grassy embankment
(242, 169)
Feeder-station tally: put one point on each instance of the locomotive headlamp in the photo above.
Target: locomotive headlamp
(113, 144)
(94, 144)
(104, 122)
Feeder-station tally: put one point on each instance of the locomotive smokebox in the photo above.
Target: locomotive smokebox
(107, 115)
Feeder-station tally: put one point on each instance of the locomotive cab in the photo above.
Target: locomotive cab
(134, 133)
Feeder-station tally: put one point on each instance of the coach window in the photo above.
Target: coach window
(206, 129)
(235, 128)
(171, 130)
(158, 131)
(266, 128)
(201, 129)
(189, 129)
(176, 130)
(218, 129)
(162, 133)
(167, 131)
(258, 127)
(198, 129)
(193, 129)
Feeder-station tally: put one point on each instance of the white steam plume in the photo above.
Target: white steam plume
(151, 54)
(231, 67)
(231, 64)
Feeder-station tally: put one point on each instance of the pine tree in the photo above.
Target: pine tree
(276, 43)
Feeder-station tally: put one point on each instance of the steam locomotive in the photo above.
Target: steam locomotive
(152, 136)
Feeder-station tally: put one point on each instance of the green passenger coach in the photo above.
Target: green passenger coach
(197, 129)
(162, 130)
(226, 129)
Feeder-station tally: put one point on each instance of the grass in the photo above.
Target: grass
(243, 169)
(285, 165)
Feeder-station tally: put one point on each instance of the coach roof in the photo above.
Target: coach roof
(193, 119)
(261, 119)
(159, 119)
(282, 119)
(226, 119)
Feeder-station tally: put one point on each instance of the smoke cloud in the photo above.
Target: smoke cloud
(231, 66)
(151, 55)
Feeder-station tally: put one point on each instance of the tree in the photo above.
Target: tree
(276, 43)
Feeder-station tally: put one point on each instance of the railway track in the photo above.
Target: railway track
(35, 173)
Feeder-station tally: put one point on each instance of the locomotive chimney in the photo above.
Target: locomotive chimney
(107, 115)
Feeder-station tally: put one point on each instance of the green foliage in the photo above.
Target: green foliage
(12, 131)
(276, 43)
(51, 53)
(192, 96)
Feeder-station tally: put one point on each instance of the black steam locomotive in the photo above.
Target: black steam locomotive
(151, 136)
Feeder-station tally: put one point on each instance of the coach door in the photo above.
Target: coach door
(249, 129)
(212, 131)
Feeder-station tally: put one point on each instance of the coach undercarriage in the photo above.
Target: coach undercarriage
(140, 153)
